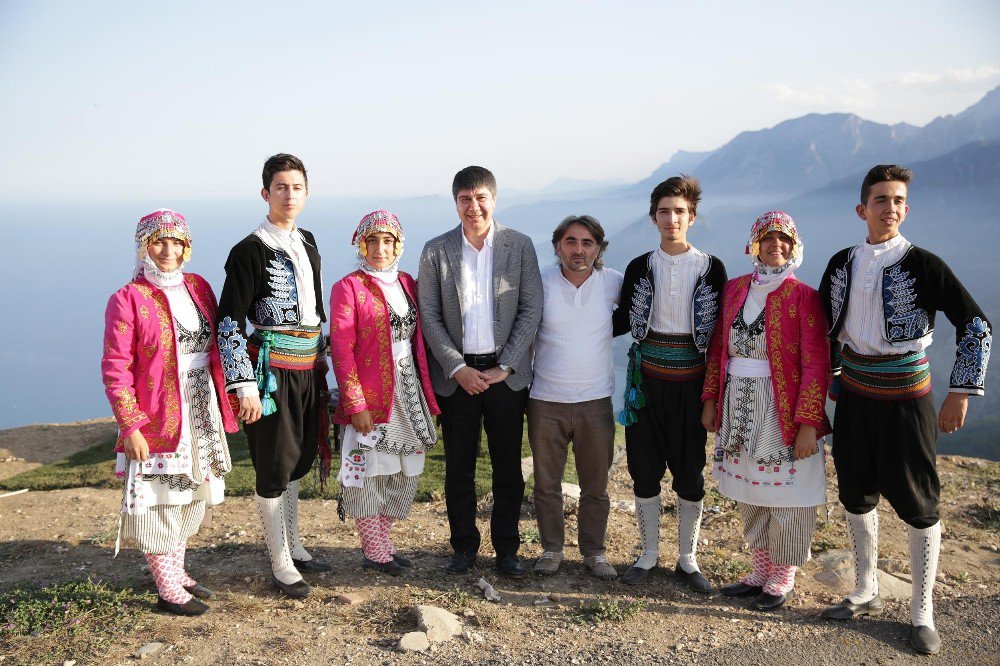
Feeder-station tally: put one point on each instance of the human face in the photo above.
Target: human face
(776, 248)
(884, 211)
(381, 247)
(672, 218)
(578, 249)
(166, 253)
(286, 197)
(475, 208)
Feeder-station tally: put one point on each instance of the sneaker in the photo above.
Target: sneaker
(600, 567)
(548, 563)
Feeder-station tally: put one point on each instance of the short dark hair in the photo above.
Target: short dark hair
(282, 162)
(881, 174)
(592, 225)
(683, 186)
(472, 178)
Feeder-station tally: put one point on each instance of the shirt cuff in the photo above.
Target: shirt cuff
(506, 368)
(455, 371)
(967, 391)
(246, 390)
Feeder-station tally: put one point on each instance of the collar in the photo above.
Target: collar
(278, 232)
(681, 258)
(488, 242)
(882, 248)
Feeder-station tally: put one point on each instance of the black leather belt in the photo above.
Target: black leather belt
(481, 361)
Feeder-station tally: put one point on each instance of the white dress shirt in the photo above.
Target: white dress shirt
(293, 245)
(477, 296)
(573, 360)
(675, 279)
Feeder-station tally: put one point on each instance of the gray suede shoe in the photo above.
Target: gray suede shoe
(599, 566)
(548, 563)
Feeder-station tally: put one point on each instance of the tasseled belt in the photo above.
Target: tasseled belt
(286, 350)
(886, 377)
(668, 357)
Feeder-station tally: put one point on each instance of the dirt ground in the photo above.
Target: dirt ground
(69, 534)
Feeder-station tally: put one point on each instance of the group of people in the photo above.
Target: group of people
(483, 339)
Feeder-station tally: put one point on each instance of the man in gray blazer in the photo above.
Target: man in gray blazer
(480, 298)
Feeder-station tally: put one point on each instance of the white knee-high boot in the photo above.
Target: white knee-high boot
(295, 547)
(688, 529)
(647, 516)
(925, 547)
(272, 516)
(863, 530)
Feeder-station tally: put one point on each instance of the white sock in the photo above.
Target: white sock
(647, 515)
(273, 519)
(688, 529)
(925, 547)
(863, 530)
(295, 547)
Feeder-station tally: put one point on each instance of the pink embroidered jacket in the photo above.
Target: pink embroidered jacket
(361, 348)
(797, 348)
(139, 365)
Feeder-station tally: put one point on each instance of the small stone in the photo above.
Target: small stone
(247, 579)
(415, 641)
(541, 601)
(527, 468)
(439, 624)
(149, 649)
(348, 598)
(298, 605)
(69, 662)
(468, 612)
(555, 598)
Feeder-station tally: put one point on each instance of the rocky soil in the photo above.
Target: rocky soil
(357, 617)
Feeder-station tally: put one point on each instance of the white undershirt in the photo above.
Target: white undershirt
(573, 361)
(675, 279)
(293, 245)
(477, 296)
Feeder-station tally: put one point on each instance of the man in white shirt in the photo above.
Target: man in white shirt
(669, 303)
(570, 398)
(881, 297)
(278, 371)
(480, 302)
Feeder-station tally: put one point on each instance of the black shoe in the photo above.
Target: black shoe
(311, 566)
(404, 562)
(510, 566)
(389, 567)
(766, 602)
(846, 610)
(192, 607)
(199, 591)
(635, 575)
(460, 563)
(925, 640)
(297, 590)
(695, 580)
(741, 589)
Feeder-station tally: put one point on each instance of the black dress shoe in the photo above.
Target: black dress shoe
(695, 580)
(925, 640)
(510, 566)
(404, 562)
(311, 566)
(199, 591)
(191, 607)
(768, 602)
(297, 590)
(846, 610)
(636, 575)
(460, 563)
(741, 589)
(389, 567)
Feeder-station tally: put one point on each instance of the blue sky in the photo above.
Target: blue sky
(131, 100)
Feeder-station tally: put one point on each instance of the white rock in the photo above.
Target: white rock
(415, 641)
(838, 579)
(890, 587)
(148, 649)
(439, 624)
(69, 662)
(833, 559)
(489, 593)
(571, 498)
(527, 468)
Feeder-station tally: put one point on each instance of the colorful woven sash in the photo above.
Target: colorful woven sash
(290, 350)
(672, 358)
(889, 377)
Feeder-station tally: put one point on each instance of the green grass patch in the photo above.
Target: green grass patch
(607, 609)
(824, 542)
(71, 619)
(724, 566)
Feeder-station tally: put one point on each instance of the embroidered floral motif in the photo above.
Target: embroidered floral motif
(144, 290)
(121, 327)
(233, 349)
(144, 312)
(972, 356)
(706, 310)
(282, 307)
(838, 291)
(812, 398)
(903, 319)
(642, 306)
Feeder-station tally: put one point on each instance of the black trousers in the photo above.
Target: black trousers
(887, 448)
(283, 445)
(668, 434)
(501, 412)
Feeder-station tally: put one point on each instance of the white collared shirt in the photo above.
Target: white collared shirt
(293, 245)
(477, 296)
(864, 324)
(573, 361)
(675, 279)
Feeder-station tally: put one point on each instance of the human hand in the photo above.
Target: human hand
(709, 411)
(250, 408)
(362, 422)
(136, 447)
(496, 375)
(805, 442)
(473, 381)
(953, 409)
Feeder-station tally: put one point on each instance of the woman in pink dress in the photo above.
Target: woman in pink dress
(163, 376)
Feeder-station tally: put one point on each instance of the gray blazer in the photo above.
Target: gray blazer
(517, 304)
